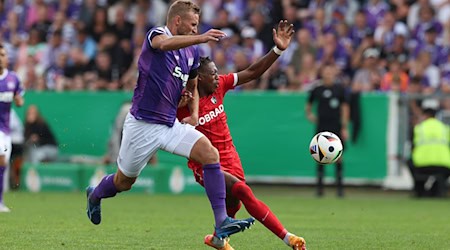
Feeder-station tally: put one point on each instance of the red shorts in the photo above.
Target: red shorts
(230, 163)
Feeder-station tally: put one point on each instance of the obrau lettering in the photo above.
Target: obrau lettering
(211, 115)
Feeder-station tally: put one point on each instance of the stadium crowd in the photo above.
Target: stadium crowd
(396, 45)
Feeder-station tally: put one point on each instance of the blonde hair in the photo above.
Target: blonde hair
(181, 8)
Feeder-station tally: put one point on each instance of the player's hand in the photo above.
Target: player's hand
(283, 34)
(190, 120)
(186, 97)
(344, 134)
(212, 35)
(312, 118)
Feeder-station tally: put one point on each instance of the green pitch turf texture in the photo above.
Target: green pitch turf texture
(364, 219)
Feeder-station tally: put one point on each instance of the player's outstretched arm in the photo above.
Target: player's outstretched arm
(164, 42)
(282, 37)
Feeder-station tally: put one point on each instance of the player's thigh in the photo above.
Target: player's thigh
(140, 141)
(184, 140)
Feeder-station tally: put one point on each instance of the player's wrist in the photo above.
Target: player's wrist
(277, 51)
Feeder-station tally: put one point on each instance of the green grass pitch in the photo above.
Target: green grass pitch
(364, 219)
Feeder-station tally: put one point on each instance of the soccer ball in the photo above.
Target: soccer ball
(325, 148)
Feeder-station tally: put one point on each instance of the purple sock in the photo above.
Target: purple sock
(104, 189)
(214, 182)
(2, 172)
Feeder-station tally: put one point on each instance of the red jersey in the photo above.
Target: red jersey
(213, 124)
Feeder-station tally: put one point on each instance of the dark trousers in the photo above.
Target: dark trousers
(430, 181)
(339, 179)
(334, 128)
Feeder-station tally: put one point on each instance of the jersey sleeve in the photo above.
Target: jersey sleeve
(311, 95)
(227, 82)
(154, 32)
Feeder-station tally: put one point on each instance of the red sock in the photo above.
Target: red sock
(231, 211)
(258, 209)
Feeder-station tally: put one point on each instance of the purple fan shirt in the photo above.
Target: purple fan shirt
(162, 77)
(9, 87)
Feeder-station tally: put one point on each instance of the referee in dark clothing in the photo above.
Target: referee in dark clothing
(332, 114)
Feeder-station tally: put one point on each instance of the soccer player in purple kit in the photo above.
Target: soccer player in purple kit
(168, 65)
(10, 91)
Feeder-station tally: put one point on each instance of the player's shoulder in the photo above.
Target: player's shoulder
(159, 29)
(230, 78)
(11, 75)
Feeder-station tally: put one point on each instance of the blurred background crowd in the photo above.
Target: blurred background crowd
(375, 45)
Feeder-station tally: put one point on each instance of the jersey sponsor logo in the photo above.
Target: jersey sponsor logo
(178, 73)
(6, 96)
(211, 115)
(10, 85)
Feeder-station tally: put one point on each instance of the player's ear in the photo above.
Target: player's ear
(177, 20)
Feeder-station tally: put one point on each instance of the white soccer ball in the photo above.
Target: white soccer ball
(326, 148)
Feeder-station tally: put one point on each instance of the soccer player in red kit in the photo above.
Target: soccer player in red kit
(212, 123)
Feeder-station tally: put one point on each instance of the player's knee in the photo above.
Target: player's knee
(210, 155)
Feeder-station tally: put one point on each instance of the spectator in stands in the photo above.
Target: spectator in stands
(332, 115)
(375, 10)
(430, 163)
(107, 77)
(359, 30)
(398, 50)
(422, 66)
(341, 11)
(55, 47)
(260, 22)
(308, 75)
(42, 21)
(274, 78)
(99, 24)
(253, 47)
(33, 47)
(87, 10)
(40, 143)
(388, 28)
(67, 28)
(86, 43)
(396, 79)
(426, 20)
(331, 52)
(304, 45)
(77, 70)
(368, 78)
(17, 141)
(413, 13)
(445, 76)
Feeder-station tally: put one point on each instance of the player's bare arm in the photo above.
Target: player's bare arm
(19, 100)
(345, 116)
(282, 37)
(192, 102)
(166, 43)
(309, 114)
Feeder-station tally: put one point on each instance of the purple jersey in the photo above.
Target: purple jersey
(9, 87)
(162, 77)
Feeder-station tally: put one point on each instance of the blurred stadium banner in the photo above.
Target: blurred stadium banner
(161, 178)
(269, 129)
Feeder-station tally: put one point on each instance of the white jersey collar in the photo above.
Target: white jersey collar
(5, 73)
